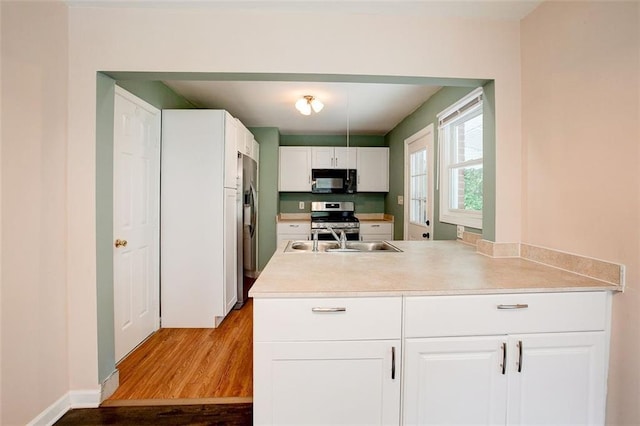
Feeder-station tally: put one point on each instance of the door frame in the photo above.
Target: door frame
(428, 130)
(157, 113)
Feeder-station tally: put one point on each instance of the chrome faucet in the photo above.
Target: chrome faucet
(342, 239)
(315, 240)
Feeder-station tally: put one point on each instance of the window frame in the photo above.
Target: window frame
(462, 110)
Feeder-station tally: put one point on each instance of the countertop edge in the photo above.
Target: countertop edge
(410, 293)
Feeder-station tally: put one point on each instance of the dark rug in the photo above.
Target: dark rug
(175, 415)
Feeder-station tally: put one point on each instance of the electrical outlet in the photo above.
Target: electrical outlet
(400, 200)
(301, 205)
(459, 231)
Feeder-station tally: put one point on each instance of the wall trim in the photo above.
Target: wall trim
(109, 385)
(72, 399)
(492, 249)
(612, 273)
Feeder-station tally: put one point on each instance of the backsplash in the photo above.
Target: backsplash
(364, 202)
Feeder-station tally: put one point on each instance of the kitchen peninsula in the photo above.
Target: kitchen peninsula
(467, 338)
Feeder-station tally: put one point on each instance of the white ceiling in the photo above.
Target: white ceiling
(367, 108)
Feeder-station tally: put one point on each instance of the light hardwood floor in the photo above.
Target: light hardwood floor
(192, 363)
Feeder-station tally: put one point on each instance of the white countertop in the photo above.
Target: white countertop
(422, 268)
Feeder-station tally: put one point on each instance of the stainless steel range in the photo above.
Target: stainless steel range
(339, 216)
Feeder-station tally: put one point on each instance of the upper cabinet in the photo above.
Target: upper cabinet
(373, 169)
(244, 140)
(296, 163)
(294, 169)
(328, 157)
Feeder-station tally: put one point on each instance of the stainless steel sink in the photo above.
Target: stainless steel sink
(334, 247)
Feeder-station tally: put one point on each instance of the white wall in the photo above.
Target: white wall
(581, 149)
(210, 39)
(34, 363)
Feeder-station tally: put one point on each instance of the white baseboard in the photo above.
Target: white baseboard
(73, 399)
(110, 385)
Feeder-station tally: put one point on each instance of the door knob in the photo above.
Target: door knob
(120, 243)
(425, 235)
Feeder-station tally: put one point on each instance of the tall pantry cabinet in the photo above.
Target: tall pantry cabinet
(200, 203)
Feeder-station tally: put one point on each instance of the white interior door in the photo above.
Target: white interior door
(418, 196)
(136, 191)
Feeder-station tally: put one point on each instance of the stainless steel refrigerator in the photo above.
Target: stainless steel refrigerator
(247, 226)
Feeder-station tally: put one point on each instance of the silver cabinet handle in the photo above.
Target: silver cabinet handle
(323, 310)
(504, 358)
(294, 226)
(519, 356)
(336, 162)
(393, 363)
(375, 226)
(516, 306)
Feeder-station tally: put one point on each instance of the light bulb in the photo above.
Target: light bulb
(303, 106)
(316, 105)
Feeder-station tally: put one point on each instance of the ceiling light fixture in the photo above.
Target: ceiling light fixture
(306, 103)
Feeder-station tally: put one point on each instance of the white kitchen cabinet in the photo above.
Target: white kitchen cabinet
(329, 157)
(373, 169)
(454, 381)
(293, 230)
(244, 139)
(327, 383)
(376, 231)
(514, 374)
(198, 222)
(327, 361)
(230, 152)
(294, 169)
(561, 379)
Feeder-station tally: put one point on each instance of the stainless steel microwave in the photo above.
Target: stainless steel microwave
(333, 181)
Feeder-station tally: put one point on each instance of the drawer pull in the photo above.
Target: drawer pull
(516, 306)
(294, 226)
(519, 356)
(393, 362)
(375, 226)
(504, 358)
(323, 310)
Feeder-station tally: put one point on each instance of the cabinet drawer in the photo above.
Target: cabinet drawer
(432, 316)
(309, 319)
(291, 227)
(376, 228)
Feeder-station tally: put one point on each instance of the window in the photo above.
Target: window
(418, 176)
(460, 173)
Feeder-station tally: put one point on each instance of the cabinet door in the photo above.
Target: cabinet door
(373, 169)
(345, 158)
(561, 379)
(230, 249)
(230, 151)
(454, 381)
(322, 157)
(294, 169)
(327, 383)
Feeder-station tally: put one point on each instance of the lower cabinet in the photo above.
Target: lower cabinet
(327, 361)
(527, 358)
(293, 230)
(376, 231)
(327, 383)
(548, 378)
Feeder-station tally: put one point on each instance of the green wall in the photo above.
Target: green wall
(105, 91)
(332, 140)
(364, 202)
(269, 140)
(160, 96)
(419, 119)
